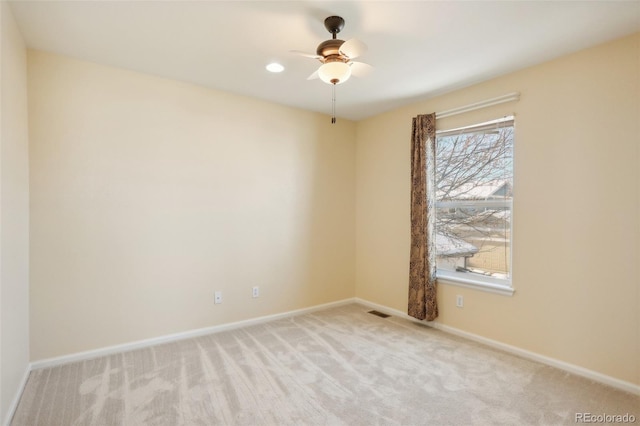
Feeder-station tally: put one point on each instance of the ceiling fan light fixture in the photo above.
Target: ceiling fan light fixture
(334, 72)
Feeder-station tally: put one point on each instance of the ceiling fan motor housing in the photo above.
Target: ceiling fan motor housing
(330, 48)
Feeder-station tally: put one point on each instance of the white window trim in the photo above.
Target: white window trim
(466, 279)
(462, 279)
(506, 121)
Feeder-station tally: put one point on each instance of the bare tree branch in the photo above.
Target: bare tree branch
(474, 166)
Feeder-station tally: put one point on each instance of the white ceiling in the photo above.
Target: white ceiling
(418, 48)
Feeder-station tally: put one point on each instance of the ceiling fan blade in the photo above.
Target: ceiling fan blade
(313, 76)
(360, 69)
(306, 54)
(353, 48)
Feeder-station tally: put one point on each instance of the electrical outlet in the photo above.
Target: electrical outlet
(255, 291)
(459, 301)
(218, 297)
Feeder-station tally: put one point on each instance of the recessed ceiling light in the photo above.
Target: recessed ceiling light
(275, 67)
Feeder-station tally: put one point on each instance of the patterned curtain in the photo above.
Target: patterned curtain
(422, 266)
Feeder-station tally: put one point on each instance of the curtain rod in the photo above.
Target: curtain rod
(509, 97)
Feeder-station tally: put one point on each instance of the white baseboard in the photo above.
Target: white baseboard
(562, 365)
(543, 359)
(109, 350)
(16, 398)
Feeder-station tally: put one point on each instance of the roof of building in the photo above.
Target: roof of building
(449, 246)
(484, 191)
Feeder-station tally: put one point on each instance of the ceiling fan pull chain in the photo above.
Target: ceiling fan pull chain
(333, 104)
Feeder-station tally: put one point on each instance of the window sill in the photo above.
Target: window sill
(457, 280)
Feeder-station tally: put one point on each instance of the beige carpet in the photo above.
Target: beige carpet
(340, 366)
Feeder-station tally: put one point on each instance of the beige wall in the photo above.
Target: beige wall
(576, 212)
(147, 195)
(14, 213)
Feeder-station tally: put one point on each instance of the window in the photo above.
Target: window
(474, 196)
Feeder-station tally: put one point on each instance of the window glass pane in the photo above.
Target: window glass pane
(474, 184)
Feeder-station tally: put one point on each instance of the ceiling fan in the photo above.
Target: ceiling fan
(337, 57)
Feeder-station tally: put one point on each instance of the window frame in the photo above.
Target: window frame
(503, 286)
